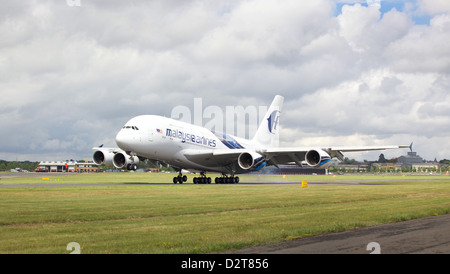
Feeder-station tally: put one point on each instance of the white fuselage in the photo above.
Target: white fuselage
(192, 147)
(164, 139)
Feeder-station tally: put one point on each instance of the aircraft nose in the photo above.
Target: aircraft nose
(122, 140)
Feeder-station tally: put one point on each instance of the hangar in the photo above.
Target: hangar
(67, 166)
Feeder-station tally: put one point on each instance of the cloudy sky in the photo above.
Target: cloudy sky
(351, 72)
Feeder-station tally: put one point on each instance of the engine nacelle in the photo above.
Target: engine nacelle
(251, 161)
(124, 161)
(101, 157)
(318, 158)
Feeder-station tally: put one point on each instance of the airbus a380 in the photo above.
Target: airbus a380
(195, 148)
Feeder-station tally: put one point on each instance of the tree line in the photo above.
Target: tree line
(25, 165)
(368, 166)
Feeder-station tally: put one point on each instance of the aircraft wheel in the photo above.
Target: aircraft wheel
(236, 180)
(184, 178)
(175, 180)
(208, 180)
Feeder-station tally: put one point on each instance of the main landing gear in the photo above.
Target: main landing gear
(219, 180)
(180, 178)
(227, 180)
(203, 179)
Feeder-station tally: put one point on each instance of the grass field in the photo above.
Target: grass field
(142, 217)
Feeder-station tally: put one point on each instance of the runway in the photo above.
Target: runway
(333, 183)
(254, 181)
(429, 235)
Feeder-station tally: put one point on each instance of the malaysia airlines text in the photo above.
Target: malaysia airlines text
(192, 138)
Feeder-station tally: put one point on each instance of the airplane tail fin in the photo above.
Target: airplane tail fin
(268, 131)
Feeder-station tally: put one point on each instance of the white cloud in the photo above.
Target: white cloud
(423, 49)
(434, 7)
(71, 76)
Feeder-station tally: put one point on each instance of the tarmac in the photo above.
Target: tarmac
(429, 235)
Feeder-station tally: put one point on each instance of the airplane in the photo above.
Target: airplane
(197, 149)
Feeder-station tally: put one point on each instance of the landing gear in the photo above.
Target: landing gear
(203, 179)
(227, 180)
(180, 178)
(132, 167)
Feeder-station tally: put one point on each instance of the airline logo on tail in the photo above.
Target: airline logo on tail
(273, 120)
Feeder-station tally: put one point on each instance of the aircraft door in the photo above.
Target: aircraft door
(150, 135)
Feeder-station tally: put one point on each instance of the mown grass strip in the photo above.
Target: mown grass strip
(200, 218)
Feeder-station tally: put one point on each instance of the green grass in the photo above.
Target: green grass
(188, 218)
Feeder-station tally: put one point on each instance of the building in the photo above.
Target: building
(410, 159)
(67, 166)
(417, 163)
(82, 167)
(426, 167)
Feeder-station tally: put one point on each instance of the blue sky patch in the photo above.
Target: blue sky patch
(387, 6)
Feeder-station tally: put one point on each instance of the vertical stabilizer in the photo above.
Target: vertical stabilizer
(268, 133)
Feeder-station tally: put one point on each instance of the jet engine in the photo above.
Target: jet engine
(317, 158)
(101, 157)
(122, 160)
(251, 161)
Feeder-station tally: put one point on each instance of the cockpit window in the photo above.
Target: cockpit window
(132, 127)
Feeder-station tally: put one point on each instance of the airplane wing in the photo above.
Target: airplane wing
(299, 154)
(312, 156)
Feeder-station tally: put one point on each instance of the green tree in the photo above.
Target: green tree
(444, 162)
(381, 158)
